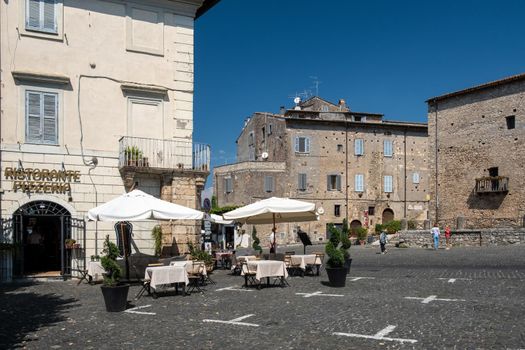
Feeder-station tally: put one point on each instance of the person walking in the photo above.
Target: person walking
(435, 234)
(383, 240)
(447, 236)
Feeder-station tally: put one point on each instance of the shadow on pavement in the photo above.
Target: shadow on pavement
(23, 312)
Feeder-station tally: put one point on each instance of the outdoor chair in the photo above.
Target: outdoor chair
(293, 269)
(195, 277)
(319, 258)
(249, 275)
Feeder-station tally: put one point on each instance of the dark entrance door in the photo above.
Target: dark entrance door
(39, 232)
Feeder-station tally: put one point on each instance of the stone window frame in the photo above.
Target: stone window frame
(330, 185)
(57, 35)
(297, 144)
(337, 210)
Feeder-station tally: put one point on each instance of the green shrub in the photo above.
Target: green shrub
(337, 246)
(362, 233)
(378, 229)
(392, 226)
(133, 153)
(199, 254)
(156, 234)
(256, 241)
(109, 263)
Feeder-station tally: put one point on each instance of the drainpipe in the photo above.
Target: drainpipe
(405, 186)
(436, 157)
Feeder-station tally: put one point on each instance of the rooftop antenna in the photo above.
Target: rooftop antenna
(316, 83)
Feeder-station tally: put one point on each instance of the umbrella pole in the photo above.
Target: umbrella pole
(273, 230)
(122, 239)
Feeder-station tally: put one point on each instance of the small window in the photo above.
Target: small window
(268, 184)
(269, 129)
(302, 144)
(493, 172)
(251, 153)
(41, 15)
(388, 183)
(301, 185)
(359, 182)
(359, 147)
(415, 178)
(263, 133)
(387, 148)
(339, 148)
(371, 211)
(228, 187)
(250, 138)
(511, 122)
(357, 118)
(41, 117)
(333, 183)
(337, 210)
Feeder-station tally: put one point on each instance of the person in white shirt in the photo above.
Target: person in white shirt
(435, 234)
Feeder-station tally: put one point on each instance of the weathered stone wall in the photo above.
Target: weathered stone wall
(268, 131)
(471, 238)
(468, 135)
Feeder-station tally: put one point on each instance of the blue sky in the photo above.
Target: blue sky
(381, 56)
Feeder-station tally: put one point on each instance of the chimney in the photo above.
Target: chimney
(342, 104)
(282, 110)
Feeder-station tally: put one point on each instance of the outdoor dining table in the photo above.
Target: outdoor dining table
(191, 266)
(267, 268)
(302, 261)
(162, 275)
(223, 257)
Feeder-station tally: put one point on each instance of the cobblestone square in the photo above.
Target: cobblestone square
(464, 298)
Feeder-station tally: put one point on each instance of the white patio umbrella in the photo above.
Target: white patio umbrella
(137, 205)
(218, 219)
(273, 210)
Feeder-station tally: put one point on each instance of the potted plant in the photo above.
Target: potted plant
(337, 251)
(133, 155)
(201, 255)
(70, 243)
(256, 244)
(361, 235)
(115, 294)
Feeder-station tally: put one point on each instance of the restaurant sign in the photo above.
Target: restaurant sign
(36, 180)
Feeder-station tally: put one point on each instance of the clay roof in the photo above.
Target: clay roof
(494, 83)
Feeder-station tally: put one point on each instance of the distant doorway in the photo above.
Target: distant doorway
(388, 215)
(354, 226)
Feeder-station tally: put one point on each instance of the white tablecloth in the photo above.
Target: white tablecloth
(95, 270)
(267, 268)
(303, 260)
(191, 266)
(158, 275)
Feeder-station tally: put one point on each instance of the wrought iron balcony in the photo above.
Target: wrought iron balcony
(494, 184)
(144, 153)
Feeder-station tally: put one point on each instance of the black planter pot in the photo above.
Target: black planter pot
(348, 262)
(336, 276)
(116, 298)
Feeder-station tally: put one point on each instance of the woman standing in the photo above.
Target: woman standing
(435, 234)
(447, 236)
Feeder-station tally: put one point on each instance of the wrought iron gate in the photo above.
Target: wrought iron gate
(74, 260)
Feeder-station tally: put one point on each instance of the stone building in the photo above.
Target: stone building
(477, 153)
(96, 99)
(353, 165)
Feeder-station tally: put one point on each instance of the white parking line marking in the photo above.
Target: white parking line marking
(452, 280)
(353, 279)
(430, 298)
(234, 288)
(379, 335)
(308, 295)
(132, 310)
(235, 321)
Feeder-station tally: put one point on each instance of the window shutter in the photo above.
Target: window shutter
(306, 145)
(49, 15)
(302, 182)
(296, 144)
(387, 148)
(359, 183)
(338, 182)
(328, 183)
(268, 183)
(33, 14)
(50, 119)
(415, 178)
(388, 183)
(358, 147)
(33, 112)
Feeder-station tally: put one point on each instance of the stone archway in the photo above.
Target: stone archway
(354, 226)
(388, 215)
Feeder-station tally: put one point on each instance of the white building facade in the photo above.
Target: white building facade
(96, 99)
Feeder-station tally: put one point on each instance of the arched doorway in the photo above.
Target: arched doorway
(354, 226)
(388, 215)
(41, 228)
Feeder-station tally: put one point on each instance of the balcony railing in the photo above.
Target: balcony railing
(163, 154)
(492, 184)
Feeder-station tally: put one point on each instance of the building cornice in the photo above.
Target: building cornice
(27, 76)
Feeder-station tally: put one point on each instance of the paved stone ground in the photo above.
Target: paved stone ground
(490, 283)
